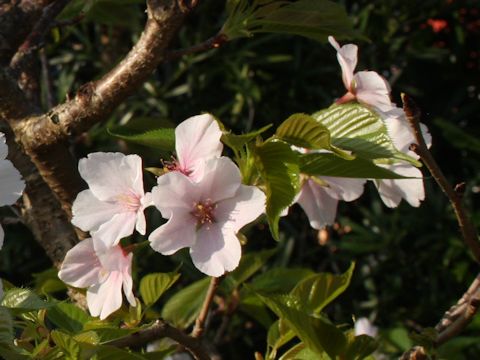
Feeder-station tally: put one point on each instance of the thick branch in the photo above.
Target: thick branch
(161, 329)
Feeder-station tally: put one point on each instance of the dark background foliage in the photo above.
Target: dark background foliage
(411, 262)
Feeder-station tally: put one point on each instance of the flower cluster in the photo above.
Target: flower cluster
(12, 184)
(201, 196)
(319, 196)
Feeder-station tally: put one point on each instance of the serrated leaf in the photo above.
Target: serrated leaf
(304, 131)
(23, 300)
(359, 129)
(70, 347)
(314, 19)
(324, 164)
(68, 317)
(162, 139)
(183, 307)
(152, 286)
(278, 166)
(320, 289)
(236, 142)
(316, 333)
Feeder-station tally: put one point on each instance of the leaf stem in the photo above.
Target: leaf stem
(200, 322)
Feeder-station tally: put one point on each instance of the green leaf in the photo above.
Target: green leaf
(320, 289)
(268, 281)
(152, 286)
(323, 164)
(304, 131)
(106, 352)
(162, 139)
(318, 334)
(24, 300)
(6, 327)
(68, 317)
(314, 19)
(356, 128)
(249, 265)
(236, 142)
(277, 164)
(359, 347)
(70, 347)
(278, 335)
(301, 352)
(183, 307)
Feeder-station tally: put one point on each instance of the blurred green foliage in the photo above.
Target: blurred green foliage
(411, 263)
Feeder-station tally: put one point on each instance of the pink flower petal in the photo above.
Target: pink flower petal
(81, 266)
(347, 58)
(221, 179)
(128, 282)
(177, 233)
(3, 147)
(247, 205)
(119, 226)
(174, 191)
(2, 236)
(216, 250)
(343, 188)
(105, 298)
(197, 139)
(11, 182)
(373, 90)
(320, 208)
(109, 175)
(393, 191)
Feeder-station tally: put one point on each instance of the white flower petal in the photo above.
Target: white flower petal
(2, 236)
(105, 298)
(174, 191)
(197, 138)
(363, 326)
(221, 179)
(247, 204)
(343, 188)
(119, 226)
(177, 233)
(320, 208)
(393, 191)
(3, 147)
(373, 90)
(11, 182)
(109, 175)
(347, 58)
(81, 266)
(89, 212)
(216, 251)
(128, 282)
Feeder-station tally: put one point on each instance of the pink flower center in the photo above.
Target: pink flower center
(203, 211)
(174, 165)
(130, 201)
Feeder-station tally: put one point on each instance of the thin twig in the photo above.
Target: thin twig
(36, 37)
(200, 322)
(161, 329)
(212, 43)
(466, 227)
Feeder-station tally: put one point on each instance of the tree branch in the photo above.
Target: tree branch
(212, 43)
(161, 329)
(200, 322)
(467, 229)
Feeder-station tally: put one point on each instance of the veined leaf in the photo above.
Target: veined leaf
(277, 164)
(304, 131)
(314, 19)
(236, 142)
(68, 317)
(317, 333)
(356, 128)
(162, 139)
(319, 290)
(331, 165)
(24, 300)
(6, 327)
(152, 286)
(359, 347)
(70, 347)
(183, 307)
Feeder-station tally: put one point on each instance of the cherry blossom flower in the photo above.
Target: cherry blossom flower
(367, 87)
(197, 140)
(392, 191)
(206, 215)
(113, 205)
(104, 271)
(363, 326)
(11, 183)
(319, 197)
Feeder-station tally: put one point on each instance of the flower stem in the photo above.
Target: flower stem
(200, 322)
